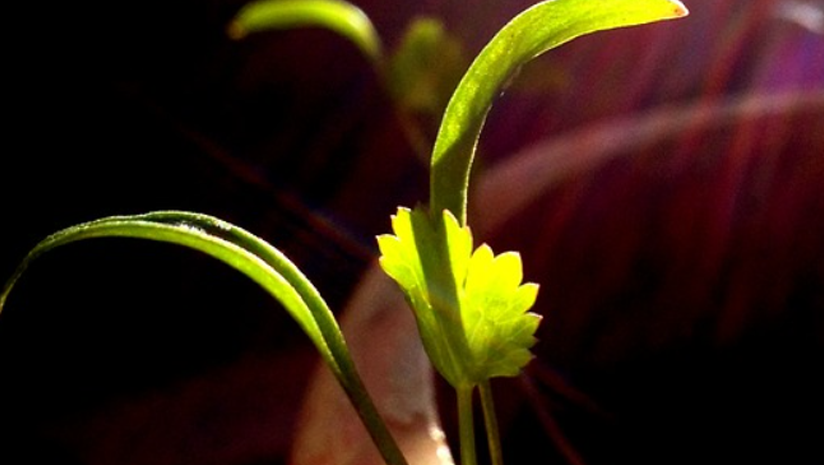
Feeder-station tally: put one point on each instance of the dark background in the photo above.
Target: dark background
(681, 281)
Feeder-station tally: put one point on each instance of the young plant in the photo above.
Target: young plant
(418, 75)
(470, 305)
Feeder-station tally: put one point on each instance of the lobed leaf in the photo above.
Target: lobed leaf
(471, 308)
(494, 306)
(536, 30)
(410, 258)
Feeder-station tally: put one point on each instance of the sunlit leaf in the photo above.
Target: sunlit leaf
(339, 16)
(471, 308)
(536, 30)
(494, 308)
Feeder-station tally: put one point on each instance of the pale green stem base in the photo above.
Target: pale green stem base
(493, 437)
(466, 425)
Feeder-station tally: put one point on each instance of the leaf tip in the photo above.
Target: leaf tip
(236, 31)
(679, 9)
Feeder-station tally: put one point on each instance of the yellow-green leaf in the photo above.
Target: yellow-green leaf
(471, 308)
(536, 30)
(339, 16)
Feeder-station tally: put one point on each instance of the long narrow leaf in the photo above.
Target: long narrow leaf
(259, 261)
(339, 16)
(536, 30)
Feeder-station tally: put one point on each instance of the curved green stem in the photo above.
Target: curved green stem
(538, 29)
(466, 425)
(493, 436)
(259, 261)
(337, 15)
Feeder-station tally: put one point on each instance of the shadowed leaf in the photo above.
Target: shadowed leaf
(336, 15)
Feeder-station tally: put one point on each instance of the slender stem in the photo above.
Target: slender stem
(493, 436)
(355, 390)
(466, 425)
(262, 263)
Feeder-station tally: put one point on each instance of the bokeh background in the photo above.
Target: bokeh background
(675, 224)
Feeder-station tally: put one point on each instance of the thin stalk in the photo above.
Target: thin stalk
(493, 436)
(259, 261)
(356, 391)
(466, 425)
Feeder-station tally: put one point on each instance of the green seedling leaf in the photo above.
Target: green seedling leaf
(259, 261)
(494, 308)
(426, 67)
(336, 15)
(533, 32)
(471, 307)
